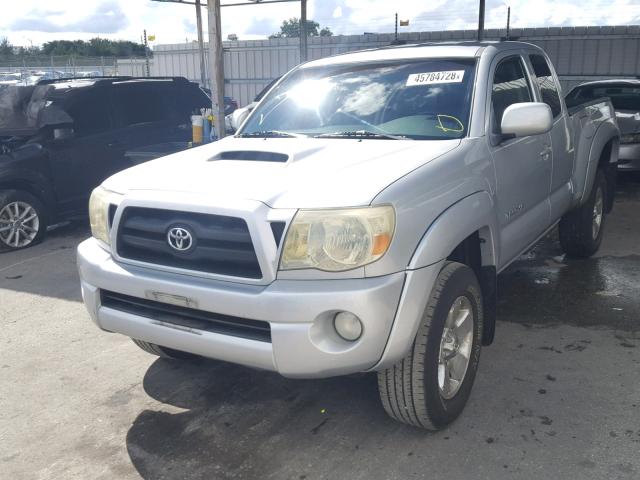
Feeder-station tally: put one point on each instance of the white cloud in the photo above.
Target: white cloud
(36, 21)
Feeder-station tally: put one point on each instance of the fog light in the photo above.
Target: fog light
(348, 326)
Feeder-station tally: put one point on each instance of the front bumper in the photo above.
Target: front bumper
(629, 156)
(300, 314)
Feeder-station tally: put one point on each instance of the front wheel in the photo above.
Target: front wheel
(581, 230)
(431, 385)
(23, 220)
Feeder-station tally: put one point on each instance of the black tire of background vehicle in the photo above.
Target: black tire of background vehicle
(575, 230)
(10, 196)
(409, 390)
(164, 352)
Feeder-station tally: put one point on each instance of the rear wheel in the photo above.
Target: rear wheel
(164, 352)
(23, 220)
(431, 385)
(581, 230)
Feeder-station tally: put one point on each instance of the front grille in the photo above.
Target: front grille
(188, 317)
(222, 245)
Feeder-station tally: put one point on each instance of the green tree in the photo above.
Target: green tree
(96, 47)
(6, 49)
(291, 29)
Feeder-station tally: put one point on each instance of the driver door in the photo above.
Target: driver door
(523, 165)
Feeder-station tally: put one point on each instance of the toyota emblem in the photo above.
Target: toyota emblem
(180, 239)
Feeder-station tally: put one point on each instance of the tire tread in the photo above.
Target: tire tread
(408, 405)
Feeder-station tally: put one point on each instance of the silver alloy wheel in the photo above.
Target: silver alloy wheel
(598, 209)
(19, 224)
(455, 347)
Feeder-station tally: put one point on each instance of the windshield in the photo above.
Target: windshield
(421, 100)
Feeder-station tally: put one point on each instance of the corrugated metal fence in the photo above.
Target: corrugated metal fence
(579, 53)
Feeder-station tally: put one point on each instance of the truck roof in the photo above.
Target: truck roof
(417, 51)
(630, 82)
(75, 82)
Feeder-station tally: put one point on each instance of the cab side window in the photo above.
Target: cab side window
(510, 85)
(546, 83)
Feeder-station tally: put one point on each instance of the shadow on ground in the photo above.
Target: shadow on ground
(47, 269)
(222, 421)
(236, 417)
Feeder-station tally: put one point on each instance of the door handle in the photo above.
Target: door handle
(545, 153)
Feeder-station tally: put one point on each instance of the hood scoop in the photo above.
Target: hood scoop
(251, 156)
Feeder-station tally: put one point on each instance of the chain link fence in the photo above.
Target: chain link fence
(26, 70)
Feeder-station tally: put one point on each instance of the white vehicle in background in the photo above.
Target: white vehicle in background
(88, 74)
(240, 112)
(10, 78)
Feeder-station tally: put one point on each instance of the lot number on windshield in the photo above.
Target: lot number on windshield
(453, 76)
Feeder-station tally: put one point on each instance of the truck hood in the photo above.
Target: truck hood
(285, 172)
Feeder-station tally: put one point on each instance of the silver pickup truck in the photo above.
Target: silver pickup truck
(357, 220)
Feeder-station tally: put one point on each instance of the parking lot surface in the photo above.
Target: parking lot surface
(557, 394)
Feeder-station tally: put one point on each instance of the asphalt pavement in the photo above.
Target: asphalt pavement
(557, 395)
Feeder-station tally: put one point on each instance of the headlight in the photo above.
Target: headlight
(99, 213)
(337, 240)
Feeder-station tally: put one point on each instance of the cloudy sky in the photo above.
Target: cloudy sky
(27, 22)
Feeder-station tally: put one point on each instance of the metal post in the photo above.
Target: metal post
(303, 31)
(146, 53)
(481, 21)
(396, 26)
(216, 65)
(508, 21)
(203, 73)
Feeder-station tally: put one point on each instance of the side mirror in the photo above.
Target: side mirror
(524, 119)
(63, 133)
(238, 117)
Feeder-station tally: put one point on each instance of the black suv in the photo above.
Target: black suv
(61, 138)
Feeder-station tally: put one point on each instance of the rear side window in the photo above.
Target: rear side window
(90, 111)
(546, 83)
(510, 86)
(148, 102)
(143, 102)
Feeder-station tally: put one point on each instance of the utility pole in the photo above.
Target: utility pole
(216, 65)
(303, 31)
(146, 53)
(508, 21)
(396, 38)
(203, 73)
(481, 21)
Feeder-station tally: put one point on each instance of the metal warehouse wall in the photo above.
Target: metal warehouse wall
(579, 53)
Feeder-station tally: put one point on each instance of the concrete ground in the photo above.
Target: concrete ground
(557, 395)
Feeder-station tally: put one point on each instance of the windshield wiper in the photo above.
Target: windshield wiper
(362, 134)
(271, 134)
